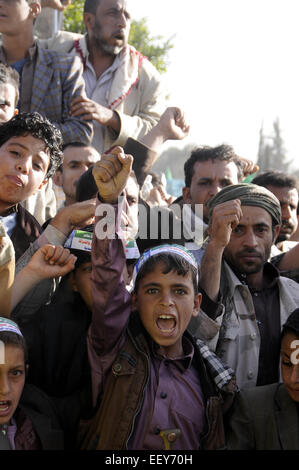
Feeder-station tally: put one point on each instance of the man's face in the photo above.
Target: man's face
(24, 162)
(250, 242)
(12, 380)
(166, 303)
(76, 160)
(288, 198)
(110, 26)
(290, 364)
(7, 102)
(208, 179)
(16, 15)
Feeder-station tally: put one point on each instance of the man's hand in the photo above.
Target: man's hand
(111, 174)
(249, 167)
(89, 110)
(172, 124)
(50, 261)
(75, 216)
(225, 218)
(55, 4)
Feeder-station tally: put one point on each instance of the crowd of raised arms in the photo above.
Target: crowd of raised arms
(131, 319)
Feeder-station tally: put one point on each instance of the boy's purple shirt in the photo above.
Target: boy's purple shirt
(183, 406)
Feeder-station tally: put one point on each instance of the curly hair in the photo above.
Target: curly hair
(40, 128)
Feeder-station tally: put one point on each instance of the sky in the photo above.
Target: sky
(233, 68)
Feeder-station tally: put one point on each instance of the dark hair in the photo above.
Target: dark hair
(205, 153)
(40, 128)
(276, 178)
(74, 144)
(292, 324)
(90, 6)
(9, 76)
(13, 339)
(171, 262)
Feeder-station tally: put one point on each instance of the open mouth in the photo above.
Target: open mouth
(166, 323)
(4, 407)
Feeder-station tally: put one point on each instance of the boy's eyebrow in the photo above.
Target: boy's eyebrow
(156, 284)
(26, 148)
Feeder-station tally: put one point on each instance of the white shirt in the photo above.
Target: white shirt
(98, 90)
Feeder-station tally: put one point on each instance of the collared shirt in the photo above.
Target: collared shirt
(98, 90)
(266, 304)
(26, 77)
(173, 400)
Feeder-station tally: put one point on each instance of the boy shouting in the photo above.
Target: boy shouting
(155, 386)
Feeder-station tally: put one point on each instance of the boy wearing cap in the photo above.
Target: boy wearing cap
(154, 386)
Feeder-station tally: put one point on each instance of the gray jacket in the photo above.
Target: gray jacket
(234, 335)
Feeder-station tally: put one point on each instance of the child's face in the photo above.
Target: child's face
(7, 102)
(24, 162)
(12, 380)
(166, 303)
(14, 14)
(290, 364)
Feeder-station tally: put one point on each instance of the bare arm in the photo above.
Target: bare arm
(55, 4)
(171, 126)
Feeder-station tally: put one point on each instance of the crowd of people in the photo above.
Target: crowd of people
(130, 319)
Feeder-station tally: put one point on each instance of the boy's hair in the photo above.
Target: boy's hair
(171, 262)
(9, 76)
(292, 324)
(203, 154)
(13, 339)
(40, 128)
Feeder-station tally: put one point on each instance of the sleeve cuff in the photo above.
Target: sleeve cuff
(212, 309)
(51, 235)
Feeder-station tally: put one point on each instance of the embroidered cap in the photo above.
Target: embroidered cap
(169, 249)
(9, 325)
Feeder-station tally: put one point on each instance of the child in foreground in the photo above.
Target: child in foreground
(28, 419)
(155, 387)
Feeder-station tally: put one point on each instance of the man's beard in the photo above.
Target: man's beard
(247, 268)
(101, 43)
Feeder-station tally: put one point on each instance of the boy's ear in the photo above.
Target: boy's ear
(16, 111)
(196, 306)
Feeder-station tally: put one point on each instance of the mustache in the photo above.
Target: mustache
(249, 252)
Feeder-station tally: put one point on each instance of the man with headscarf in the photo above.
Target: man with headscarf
(245, 300)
